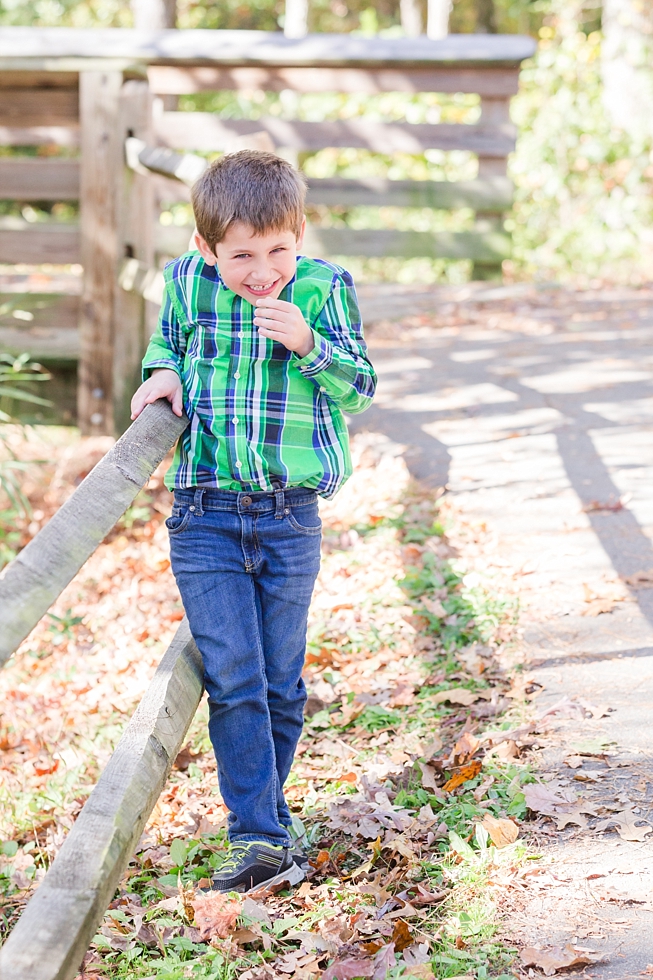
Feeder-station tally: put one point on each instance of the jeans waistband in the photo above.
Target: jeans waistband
(201, 499)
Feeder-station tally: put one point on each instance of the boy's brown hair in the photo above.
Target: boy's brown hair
(256, 188)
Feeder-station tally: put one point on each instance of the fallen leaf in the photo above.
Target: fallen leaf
(384, 961)
(601, 605)
(401, 936)
(539, 799)
(349, 967)
(502, 831)
(465, 748)
(402, 696)
(429, 776)
(574, 761)
(627, 827)
(467, 772)
(457, 695)
(216, 914)
(435, 607)
(554, 959)
(641, 580)
(433, 746)
(507, 750)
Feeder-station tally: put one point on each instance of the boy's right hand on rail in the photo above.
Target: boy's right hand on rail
(163, 383)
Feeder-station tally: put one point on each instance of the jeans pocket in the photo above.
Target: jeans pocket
(178, 522)
(309, 520)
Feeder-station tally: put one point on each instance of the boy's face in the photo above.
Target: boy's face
(252, 265)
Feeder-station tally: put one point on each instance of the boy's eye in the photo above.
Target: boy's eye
(242, 255)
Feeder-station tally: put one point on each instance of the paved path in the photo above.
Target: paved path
(535, 409)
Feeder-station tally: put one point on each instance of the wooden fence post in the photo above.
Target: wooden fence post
(100, 175)
(135, 241)
(494, 112)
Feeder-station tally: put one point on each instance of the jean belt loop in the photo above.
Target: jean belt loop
(199, 497)
(280, 503)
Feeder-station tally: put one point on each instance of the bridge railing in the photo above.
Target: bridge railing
(53, 933)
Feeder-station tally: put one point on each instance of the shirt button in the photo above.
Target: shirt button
(323, 390)
(238, 463)
(235, 420)
(237, 375)
(241, 334)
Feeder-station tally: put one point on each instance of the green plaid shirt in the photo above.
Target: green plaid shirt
(259, 414)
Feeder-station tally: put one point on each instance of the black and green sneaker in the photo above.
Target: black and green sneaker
(255, 864)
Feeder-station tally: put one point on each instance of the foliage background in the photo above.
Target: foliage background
(583, 204)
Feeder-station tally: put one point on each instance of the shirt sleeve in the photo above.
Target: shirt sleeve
(167, 346)
(338, 364)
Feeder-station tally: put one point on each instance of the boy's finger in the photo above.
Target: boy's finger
(176, 403)
(277, 304)
(270, 314)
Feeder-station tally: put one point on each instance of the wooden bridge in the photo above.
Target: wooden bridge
(109, 99)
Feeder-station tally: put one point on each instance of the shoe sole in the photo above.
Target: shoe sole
(293, 875)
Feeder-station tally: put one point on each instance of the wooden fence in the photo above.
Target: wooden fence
(91, 91)
(58, 923)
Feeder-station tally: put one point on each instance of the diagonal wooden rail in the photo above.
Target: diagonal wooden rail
(54, 931)
(42, 570)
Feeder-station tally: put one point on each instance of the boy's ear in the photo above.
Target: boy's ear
(204, 250)
(300, 240)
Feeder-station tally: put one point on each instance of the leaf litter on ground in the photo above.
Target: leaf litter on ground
(396, 775)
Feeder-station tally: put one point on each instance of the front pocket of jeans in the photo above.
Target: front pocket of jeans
(178, 522)
(315, 529)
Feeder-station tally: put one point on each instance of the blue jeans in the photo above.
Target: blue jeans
(246, 564)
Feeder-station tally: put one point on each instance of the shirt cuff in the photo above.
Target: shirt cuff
(319, 359)
(159, 362)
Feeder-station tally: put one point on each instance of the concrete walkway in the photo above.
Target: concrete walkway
(535, 409)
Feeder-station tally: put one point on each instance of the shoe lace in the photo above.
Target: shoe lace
(236, 853)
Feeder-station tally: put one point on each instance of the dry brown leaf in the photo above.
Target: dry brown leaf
(507, 750)
(554, 959)
(429, 777)
(457, 695)
(539, 799)
(641, 580)
(401, 935)
(600, 605)
(216, 914)
(627, 828)
(574, 761)
(465, 748)
(433, 746)
(502, 831)
(349, 967)
(467, 772)
(402, 696)
(435, 607)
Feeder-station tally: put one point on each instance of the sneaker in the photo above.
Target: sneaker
(256, 864)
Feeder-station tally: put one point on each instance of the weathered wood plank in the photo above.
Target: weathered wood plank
(207, 131)
(28, 135)
(22, 241)
(43, 48)
(100, 179)
(490, 194)
(53, 933)
(41, 343)
(39, 79)
(136, 216)
(43, 107)
(44, 325)
(486, 81)
(491, 247)
(27, 179)
(40, 572)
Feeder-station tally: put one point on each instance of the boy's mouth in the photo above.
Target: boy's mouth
(263, 290)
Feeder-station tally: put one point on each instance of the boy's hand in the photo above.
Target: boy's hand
(163, 383)
(284, 322)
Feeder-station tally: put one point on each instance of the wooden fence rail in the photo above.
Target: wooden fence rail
(54, 931)
(41, 571)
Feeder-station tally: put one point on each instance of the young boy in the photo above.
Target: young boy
(264, 351)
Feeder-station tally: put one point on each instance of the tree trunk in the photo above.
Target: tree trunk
(437, 24)
(296, 22)
(486, 19)
(154, 15)
(626, 69)
(411, 17)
